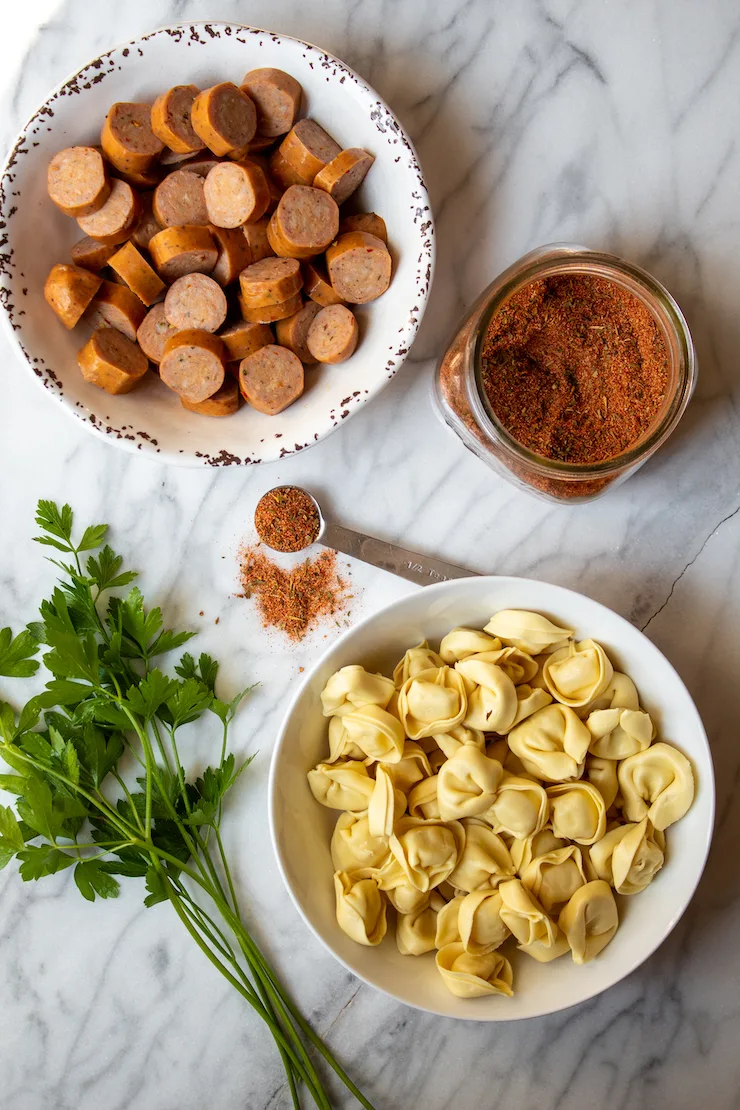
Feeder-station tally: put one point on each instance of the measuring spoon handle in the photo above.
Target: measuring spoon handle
(408, 564)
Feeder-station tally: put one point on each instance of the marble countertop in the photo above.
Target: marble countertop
(610, 122)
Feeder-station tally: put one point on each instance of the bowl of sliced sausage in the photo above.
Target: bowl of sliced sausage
(214, 221)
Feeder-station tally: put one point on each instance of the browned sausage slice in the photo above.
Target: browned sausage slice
(77, 181)
(234, 254)
(112, 361)
(256, 237)
(179, 200)
(271, 379)
(283, 172)
(137, 273)
(224, 117)
(270, 281)
(154, 332)
(195, 302)
(193, 364)
(171, 120)
(370, 222)
(91, 254)
(115, 306)
(268, 314)
(304, 223)
(244, 339)
(344, 174)
(316, 284)
(307, 148)
(69, 290)
(146, 225)
(277, 98)
(183, 250)
(127, 137)
(292, 332)
(115, 221)
(223, 403)
(359, 267)
(332, 336)
(235, 193)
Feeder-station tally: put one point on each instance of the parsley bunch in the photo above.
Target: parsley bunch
(106, 706)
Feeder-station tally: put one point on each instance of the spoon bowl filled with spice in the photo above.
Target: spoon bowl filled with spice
(572, 368)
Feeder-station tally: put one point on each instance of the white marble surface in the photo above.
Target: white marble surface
(613, 122)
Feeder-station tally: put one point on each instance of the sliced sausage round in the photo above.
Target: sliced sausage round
(130, 265)
(234, 254)
(195, 301)
(268, 314)
(112, 361)
(271, 379)
(77, 182)
(277, 98)
(127, 137)
(171, 120)
(235, 193)
(304, 223)
(243, 338)
(183, 250)
(115, 221)
(332, 336)
(292, 332)
(370, 222)
(307, 148)
(316, 284)
(92, 254)
(153, 333)
(359, 267)
(115, 306)
(179, 200)
(256, 237)
(69, 290)
(344, 174)
(270, 281)
(224, 117)
(223, 403)
(282, 171)
(193, 364)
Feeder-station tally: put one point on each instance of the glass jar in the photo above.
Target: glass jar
(463, 404)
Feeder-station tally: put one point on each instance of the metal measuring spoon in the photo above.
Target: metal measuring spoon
(388, 556)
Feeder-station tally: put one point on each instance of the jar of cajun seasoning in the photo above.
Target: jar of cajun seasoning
(570, 370)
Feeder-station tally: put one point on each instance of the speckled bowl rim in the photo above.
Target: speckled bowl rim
(127, 437)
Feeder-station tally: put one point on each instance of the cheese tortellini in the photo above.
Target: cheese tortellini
(499, 792)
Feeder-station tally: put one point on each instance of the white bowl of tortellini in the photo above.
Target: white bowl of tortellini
(493, 799)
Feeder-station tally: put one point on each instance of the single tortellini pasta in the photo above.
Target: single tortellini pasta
(515, 663)
(427, 851)
(406, 899)
(412, 767)
(589, 920)
(467, 783)
(520, 808)
(416, 659)
(621, 693)
(602, 773)
(376, 732)
(551, 744)
(529, 700)
(351, 688)
(462, 642)
(479, 922)
(524, 915)
(451, 742)
(432, 702)
(658, 784)
(448, 929)
(342, 785)
(492, 701)
(577, 812)
(422, 800)
(628, 857)
(531, 632)
(416, 932)
(387, 804)
(354, 847)
(617, 733)
(577, 674)
(554, 877)
(546, 953)
(530, 847)
(340, 744)
(485, 860)
(470, 976)
(361, 911)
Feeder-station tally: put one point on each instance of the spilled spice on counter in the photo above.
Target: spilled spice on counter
(286, 519)
(293, 600)
(575, 368)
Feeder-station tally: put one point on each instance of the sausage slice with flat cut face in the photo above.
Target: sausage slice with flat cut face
(154, 332)
(282, 171)
(224, 117)
(112, 361)
(179, 200)
(307, 148)
(127, 137)
(359, 267)
(177, 251)
(234, 254)
(270, 281)
(370, 222)
(256, 237)
(77, 181)
(332, 336)
(92, 254)
(271, 379)
(114, 222)
(242, 339)
(223, 403)
(277, 98)
(344, 174)
(316, 284)
(236, 193)
(69, 290)
(268, 314)
(193, 364)
(115, 306)
(171, 120)
(137, 273)
(292, 332)
(304, 223)
(195, 301)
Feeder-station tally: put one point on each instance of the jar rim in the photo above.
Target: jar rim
(568, 258)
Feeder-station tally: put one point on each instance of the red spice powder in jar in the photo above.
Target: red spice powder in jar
(575, 368)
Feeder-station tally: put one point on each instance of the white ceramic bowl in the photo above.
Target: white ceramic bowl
(301, 828)
(36, 235)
